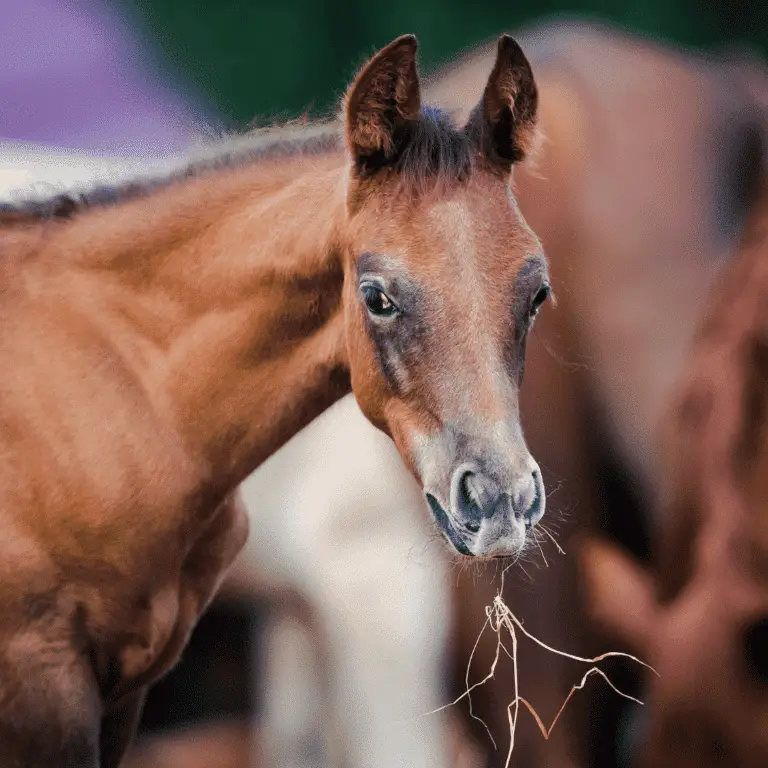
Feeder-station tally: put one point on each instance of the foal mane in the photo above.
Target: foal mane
(436, 150)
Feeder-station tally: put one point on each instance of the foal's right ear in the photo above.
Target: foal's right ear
(381, 103)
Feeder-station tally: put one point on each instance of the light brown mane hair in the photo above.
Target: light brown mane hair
(436, 153)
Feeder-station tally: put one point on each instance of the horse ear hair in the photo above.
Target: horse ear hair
(504, 122)
(381, 102)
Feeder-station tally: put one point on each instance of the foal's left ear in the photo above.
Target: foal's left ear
(504, 122)
(381, 103)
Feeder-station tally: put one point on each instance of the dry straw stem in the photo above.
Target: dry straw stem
(499, 617)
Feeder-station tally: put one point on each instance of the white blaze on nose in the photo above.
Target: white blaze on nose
(476, 355)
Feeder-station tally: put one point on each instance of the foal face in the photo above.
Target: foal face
(441, 287)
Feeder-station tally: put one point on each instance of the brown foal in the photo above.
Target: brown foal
(160, 341)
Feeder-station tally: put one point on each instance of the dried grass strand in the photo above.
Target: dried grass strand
(500, 617)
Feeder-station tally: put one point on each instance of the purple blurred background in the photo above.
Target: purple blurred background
(74, 74)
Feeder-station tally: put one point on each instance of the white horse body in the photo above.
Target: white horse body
(336, 514)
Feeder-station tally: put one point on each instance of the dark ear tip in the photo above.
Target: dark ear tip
(510, 49)
(405, 43)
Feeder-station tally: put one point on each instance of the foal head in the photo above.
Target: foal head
(443, 279)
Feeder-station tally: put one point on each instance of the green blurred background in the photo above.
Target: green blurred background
(278, 59)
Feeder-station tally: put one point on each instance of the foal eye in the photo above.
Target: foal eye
(377, 301)
(541, 296)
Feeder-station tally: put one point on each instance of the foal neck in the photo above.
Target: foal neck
(222, 294)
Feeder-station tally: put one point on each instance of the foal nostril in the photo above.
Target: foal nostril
(534, 510)
(477, 497)
(756, 650)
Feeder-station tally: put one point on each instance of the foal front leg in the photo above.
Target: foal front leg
(49, 704)
(203, 571)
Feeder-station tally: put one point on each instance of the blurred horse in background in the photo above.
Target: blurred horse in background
(700, 613)
(347, 535)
